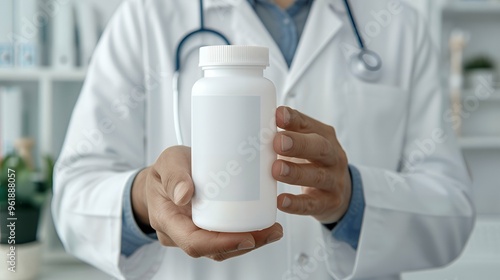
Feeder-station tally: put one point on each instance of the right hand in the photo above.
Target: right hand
(161, 200)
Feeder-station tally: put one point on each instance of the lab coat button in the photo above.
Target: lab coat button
(302, 259)
(292, 94)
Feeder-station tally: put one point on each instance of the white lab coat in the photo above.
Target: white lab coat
(417, 190)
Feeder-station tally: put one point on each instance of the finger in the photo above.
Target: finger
(293, 120)
(310, 146)
(197, 242)
(163, 214)
(174, 172)
(207, 243)
(268, 235)
(305, 204)
(262, 238)
(226, 256)
(309, 175)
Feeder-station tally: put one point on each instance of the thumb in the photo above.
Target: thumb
(175, 164)
(182, 192)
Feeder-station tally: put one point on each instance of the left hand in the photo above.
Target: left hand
(323, 173)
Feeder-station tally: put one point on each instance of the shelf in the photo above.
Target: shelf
(469, 93)
(27, 75)
(479, 143)
(477, 8)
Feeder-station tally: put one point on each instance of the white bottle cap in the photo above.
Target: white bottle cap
(227, 55)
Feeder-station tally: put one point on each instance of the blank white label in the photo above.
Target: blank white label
(226, 147)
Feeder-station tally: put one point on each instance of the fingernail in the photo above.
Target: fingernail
(275, 236)
(286, 116)
(285, 169)
(286, 143)
(246, 245)
(180, 191)
(286, 202)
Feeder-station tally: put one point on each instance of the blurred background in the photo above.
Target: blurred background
(45, 47)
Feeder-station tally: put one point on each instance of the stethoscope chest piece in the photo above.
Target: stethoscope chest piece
(366, 65)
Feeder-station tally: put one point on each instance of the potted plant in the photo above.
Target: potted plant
(23, 191)
(479, 70)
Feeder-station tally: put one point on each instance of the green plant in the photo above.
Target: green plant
(30, 193)
(480, 62)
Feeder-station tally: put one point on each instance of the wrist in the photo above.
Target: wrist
(347, 194)
(139, 203)
(344, 205)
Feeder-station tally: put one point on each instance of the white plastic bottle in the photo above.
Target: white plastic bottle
(233, 126)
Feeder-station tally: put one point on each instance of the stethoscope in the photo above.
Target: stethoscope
(366, 65)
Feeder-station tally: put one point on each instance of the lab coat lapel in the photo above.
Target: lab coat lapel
(322, 25)
(251, 31)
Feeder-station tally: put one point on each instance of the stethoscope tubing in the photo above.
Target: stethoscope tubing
(175, 103)
(359, 67)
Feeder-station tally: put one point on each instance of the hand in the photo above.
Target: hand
(316, 161)
(161, 196)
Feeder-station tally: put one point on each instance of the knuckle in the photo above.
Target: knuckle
(154, 174)
(191, 251)
(164, 154)
(336, 201)
(304, 124)
(332, 131)
(321, 208)
(154, 223)
(170, 150)
(298, 175)
(157, 218)
(325, 148)
(308, 206)
(163, 241)
(218, 258)
(301, 122)
(320, 177)
(342, 158)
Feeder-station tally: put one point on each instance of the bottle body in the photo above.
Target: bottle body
(233, 126)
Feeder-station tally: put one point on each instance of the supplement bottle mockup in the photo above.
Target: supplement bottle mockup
(233, 126)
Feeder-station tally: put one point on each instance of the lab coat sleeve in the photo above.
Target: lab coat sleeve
(421, 215)
(103, 150)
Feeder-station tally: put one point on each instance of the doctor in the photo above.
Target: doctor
(385, 187)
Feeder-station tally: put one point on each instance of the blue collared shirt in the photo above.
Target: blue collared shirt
(286, 27)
